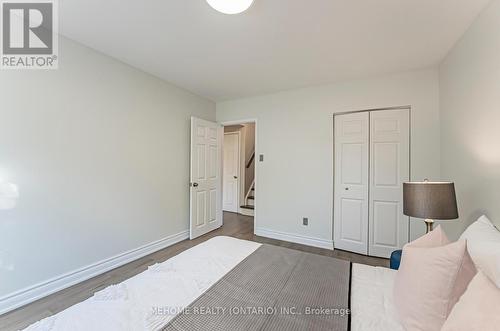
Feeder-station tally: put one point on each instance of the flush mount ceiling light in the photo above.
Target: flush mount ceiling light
(230, 6)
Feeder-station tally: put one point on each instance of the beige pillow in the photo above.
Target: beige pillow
(478, 309)
(432, 276)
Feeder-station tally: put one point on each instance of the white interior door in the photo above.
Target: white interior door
(231, 172)
(351, 182)
(206, 177)
(389, 168)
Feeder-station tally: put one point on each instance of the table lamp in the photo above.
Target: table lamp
(430, 201)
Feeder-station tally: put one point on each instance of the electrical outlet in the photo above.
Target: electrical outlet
(305, 221)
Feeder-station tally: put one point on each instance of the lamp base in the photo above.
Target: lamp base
(429, 224)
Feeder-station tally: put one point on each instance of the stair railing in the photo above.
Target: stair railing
(252, 157)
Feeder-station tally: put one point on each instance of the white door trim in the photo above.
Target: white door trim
(238, 173)
(257, 185)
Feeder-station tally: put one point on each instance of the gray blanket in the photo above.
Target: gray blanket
(274, 288)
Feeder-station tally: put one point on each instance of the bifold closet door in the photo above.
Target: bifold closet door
(389, 168)
(351, 182)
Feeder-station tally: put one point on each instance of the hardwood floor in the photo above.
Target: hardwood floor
(235, 225)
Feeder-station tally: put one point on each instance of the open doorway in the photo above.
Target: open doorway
(238, 179)
(223, 180)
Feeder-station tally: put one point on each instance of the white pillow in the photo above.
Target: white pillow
(481, 230)
(483, 244)
(486, 257)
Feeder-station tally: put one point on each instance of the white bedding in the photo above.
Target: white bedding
(149, 300)
(372, 306)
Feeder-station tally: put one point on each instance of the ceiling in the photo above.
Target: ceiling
(275, 45)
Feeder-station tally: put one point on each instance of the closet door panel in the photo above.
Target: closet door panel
(389, 168)
(351, 182)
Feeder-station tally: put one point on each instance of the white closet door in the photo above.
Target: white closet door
(351, 182)
(389, 168)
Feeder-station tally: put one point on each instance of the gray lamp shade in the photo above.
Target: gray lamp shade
(430, 200)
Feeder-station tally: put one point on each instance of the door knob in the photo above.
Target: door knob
(235, 177)
(347, 189)
(195, 184)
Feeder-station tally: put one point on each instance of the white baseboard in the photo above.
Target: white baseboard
(295, 238)
(43, 289)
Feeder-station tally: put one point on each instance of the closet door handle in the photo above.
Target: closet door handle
(347, 189)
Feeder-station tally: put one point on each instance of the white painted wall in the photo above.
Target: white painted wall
(100, 154)
(470, 125)
(249, 149)
(295, 134)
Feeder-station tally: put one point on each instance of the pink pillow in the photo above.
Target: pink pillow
(477, 309)
(434, 238)
(431, 278)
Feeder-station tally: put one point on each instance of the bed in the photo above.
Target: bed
(372, 305)
(228, 283)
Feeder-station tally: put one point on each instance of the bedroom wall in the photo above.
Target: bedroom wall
(295, 134)
(470, 125)
(249, 149)
(99, 152)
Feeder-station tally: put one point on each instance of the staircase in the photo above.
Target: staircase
(248, 208)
